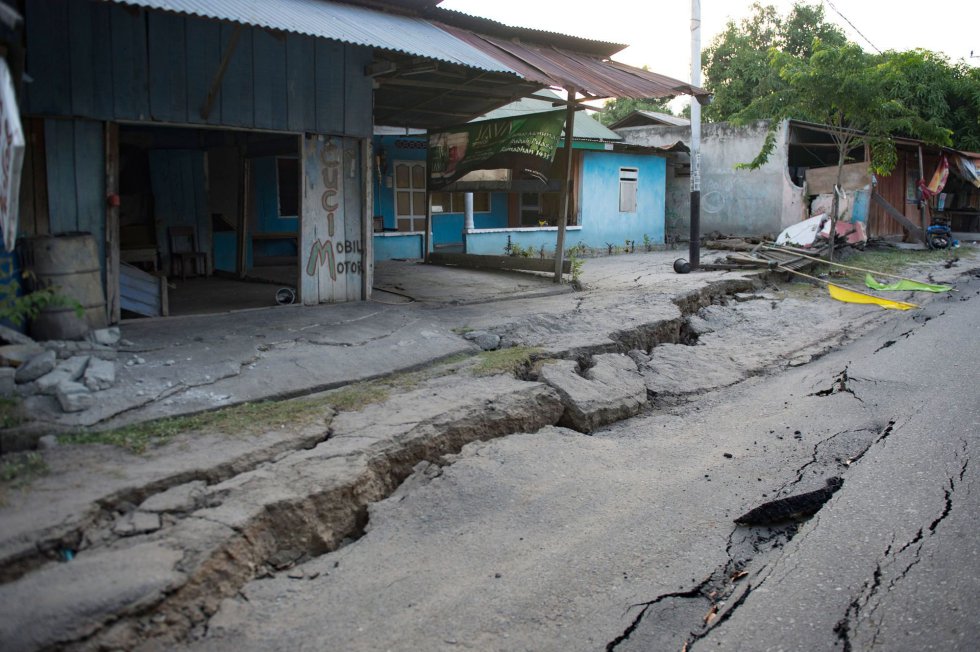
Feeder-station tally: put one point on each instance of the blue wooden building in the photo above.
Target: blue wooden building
(233, 137)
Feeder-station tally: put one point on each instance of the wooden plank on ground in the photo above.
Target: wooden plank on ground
(499, 262)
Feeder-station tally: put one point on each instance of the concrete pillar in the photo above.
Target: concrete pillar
(468, 211)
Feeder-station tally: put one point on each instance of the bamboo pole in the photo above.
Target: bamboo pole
(856, 269)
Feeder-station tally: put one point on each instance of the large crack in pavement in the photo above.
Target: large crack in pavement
(751, 554)
(289, 527)
(892, 568)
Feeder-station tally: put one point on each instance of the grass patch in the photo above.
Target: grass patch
(255, 418)
(504, 361)
(18, 469)
(10, 413)
(245, 419)
(890, 261)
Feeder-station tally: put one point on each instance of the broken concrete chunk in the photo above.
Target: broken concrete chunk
(75, 366)
(639, 357)
(11, 336)
(488, 342)
(106, 336)
(135, 523)
(37, 366)
(611, 390)
(81, 596)
(8, 387)
(73, 397)
(182, 498)
(70, 369)
(100, 374)
(14, 355)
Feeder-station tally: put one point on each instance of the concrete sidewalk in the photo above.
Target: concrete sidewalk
(181, 365)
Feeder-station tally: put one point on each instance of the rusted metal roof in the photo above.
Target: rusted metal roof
(339, 22)
(589, 74)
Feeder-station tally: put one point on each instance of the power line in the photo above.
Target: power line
(837, 11)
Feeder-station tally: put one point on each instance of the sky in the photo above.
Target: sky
(659, 36)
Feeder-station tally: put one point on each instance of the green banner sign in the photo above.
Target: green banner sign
(525, 145)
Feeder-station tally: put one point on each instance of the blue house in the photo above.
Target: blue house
(619, 195)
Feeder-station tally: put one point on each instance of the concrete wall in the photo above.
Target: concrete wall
(598, 201)
(733, 201)
(493, 242)
(392, 246)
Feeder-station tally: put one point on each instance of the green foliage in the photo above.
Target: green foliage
(752, 66)
(850, 91)
(245, 419)
(11, 413)
(20, 309)
(615, 110)
(736, 64)
(18, 469)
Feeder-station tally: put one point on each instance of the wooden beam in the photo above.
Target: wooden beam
(566, 198)
(464, 87)
(899, 217)
(220, 73)
(112, 254)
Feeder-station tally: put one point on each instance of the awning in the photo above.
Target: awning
(591, 75)
(430, 74)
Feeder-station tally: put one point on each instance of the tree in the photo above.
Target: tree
(736, 64)
(851, 92)
(616, 110)
(932, 86)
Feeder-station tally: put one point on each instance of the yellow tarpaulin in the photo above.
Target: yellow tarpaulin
(850, 296)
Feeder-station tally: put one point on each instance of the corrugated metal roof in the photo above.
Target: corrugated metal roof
(586, 128)
(338, 22)
(554, 66)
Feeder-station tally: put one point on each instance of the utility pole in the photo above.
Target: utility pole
(694, 253)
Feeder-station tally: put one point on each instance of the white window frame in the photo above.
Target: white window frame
(416, 223)
(628, 181)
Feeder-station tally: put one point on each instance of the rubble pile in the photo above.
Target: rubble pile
(72, 372)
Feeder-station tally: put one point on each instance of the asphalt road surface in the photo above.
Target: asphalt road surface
(625, 540)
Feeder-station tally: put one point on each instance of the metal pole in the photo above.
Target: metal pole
(694, 252)
(563, 222)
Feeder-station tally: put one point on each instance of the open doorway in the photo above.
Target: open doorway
(208, 219)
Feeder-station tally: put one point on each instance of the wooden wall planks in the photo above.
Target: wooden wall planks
(112, 62)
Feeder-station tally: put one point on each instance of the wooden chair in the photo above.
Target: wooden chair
(183, 250)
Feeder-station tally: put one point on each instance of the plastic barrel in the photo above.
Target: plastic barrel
(70, 264)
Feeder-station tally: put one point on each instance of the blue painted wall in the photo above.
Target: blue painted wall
(265, 189)
(107, 61)
(391, 246)
(10, 287)
(447, 228)
(224, 250)
(599, 199)
(598, 204)
(75, 151)
(494, 243)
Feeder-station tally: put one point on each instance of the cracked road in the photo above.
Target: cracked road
(625, 540)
